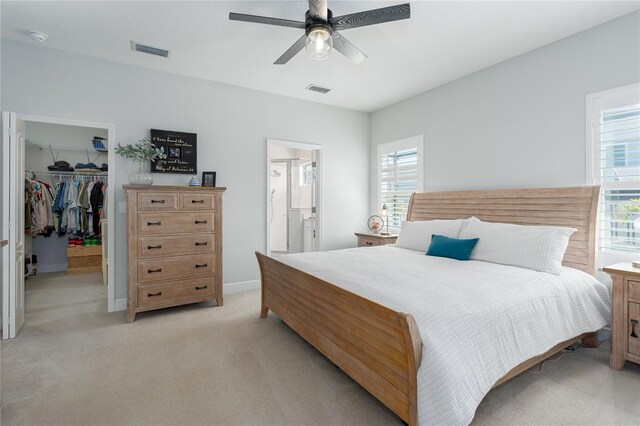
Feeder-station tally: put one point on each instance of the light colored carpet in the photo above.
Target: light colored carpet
(74, 364)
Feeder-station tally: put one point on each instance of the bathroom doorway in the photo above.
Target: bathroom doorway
(293, 201)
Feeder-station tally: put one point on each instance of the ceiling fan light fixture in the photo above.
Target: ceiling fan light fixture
(323, 30)
(319, 43)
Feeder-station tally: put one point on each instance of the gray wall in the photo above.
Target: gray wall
(232, 124)
(520, 123)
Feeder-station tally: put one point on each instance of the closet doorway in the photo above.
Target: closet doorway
(293, 197)
(57, 203)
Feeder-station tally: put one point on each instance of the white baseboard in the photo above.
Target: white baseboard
(229, 288)
(120, 305)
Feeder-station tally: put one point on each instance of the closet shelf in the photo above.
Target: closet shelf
(74, 173)
(63, 148)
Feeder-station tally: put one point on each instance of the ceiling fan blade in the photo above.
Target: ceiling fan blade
(292, 51)
(345, 47)
(266, 20)
(318, 9)
(371, 17)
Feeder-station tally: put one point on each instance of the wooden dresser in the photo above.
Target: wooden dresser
(625, 314)
(175, 246)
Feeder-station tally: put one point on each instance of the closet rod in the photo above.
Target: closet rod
(53, 173)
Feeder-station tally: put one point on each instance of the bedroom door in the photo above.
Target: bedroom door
(12, 224)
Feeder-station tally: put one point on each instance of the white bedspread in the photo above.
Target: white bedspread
(477, 320)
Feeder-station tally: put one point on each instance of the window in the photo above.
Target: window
(306, 174)
(613, 119)
(399, 175)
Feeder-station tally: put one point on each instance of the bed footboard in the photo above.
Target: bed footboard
(378, 347)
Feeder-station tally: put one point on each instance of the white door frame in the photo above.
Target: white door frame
(111, 156)
(319, 212)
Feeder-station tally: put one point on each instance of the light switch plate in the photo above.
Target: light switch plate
(122, 207)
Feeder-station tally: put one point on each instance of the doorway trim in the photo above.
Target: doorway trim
(318, 194)
(111, 156)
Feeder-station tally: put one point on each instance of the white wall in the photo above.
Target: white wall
(232, 124)
(52, 251)
(45, 134)
(520, 123)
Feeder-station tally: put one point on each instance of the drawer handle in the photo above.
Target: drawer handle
(369, 243)
(157, 201)
(154, 247)
(151, 271)
(154, 223)
(197, 201)
(201, 288)
(154, 294)
(201, 266)
(634, 324)
(198, 222)
(201, 244)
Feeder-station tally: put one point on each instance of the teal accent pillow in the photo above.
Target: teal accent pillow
(452, 248)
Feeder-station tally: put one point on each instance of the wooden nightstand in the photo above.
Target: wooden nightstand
(366, 240)
(625, 314)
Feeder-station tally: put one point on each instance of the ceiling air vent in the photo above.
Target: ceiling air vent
(319, 89)
(150, 50)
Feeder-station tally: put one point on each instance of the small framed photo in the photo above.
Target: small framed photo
(209, 179)
(175, 152)
(375, 223)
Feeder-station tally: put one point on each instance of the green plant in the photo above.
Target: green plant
(143, 150)
(629, 208)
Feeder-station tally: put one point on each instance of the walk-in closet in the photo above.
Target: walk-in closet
(65, 220)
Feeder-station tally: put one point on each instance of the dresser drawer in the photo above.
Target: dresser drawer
(634, 290)
(172, 223)
(175, 245)
(175, 267)
(195, 201)
(634, 328)
(368, 242)
(157, 201)
(176, 292)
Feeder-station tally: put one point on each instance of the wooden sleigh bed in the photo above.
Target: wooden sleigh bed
(380, 348)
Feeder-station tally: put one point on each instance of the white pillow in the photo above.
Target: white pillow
(417, 235)
(540, 248)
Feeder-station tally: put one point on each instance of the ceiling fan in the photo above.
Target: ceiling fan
(321, 29)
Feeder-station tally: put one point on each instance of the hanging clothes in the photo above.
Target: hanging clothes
(38, 206)
(71, 206)
(95, 199)
(83, 206)
(58, 208)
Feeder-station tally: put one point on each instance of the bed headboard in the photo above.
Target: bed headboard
(575, 207)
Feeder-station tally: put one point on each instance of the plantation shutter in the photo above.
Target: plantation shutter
(616, 132)
(400, 175)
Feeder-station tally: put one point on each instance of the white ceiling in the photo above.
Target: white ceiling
(441, 42)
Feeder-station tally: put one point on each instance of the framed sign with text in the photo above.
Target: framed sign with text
(180, 148)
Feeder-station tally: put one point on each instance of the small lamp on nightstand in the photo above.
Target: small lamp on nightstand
(385, 216)
(636, 226)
